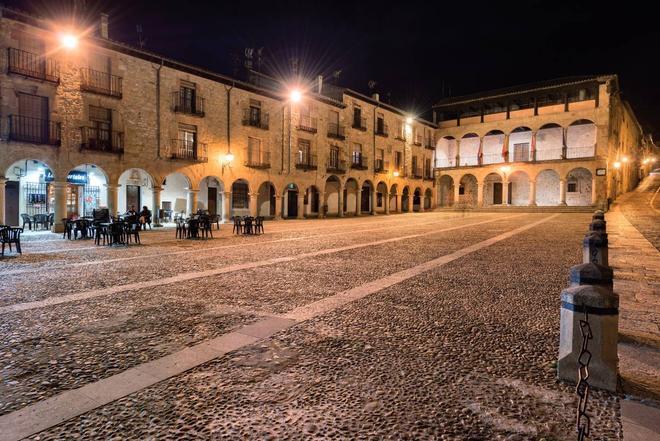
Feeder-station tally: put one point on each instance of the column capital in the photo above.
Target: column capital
(3, 180)
(112, 186)
(59, 184)
(192, 190)
(157, 188)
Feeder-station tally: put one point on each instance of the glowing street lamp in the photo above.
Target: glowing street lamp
(395, 174)
(68, 41)
(617, 165)
(295, 96)
(505, 169)
(624, 159)
(228, 158)
(409, 120)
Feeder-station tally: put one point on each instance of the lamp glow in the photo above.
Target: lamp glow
(295, 96)
(409, 120)
(617, 165)
(505, 169)
(228, 158)
(69, 41)
(624, 159)
(395, 174)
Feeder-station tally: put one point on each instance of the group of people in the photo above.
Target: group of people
(143, 216)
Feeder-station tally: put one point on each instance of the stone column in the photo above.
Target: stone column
(532, 194)
(113, 198)
(562, 192)
(387, 202)
(410, 203)
(322, 203)
(192, 201)
(301, 206)
(252, 204)
(340, 201)
(156, 216)
(458, 152)
(505, 192)
(480, 194)
(278, 207)
(457, 190)
(59, 191)
(226, 206)
(3, 185)
(358, 202)
(594, 191)
(422, 200)
(399, 201)
(373, 201)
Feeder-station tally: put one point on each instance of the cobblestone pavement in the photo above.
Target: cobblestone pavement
(461, 351)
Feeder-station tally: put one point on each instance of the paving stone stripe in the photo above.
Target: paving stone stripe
(221, 247)
(223, 270)
(48, 413)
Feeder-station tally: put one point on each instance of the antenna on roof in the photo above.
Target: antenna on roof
(249, 52)
(371, 85)
(259, 58)
(142, 42)
(335, 76)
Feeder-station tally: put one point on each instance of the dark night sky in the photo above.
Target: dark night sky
(410, 48)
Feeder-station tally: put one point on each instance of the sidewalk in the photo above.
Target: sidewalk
(636, 264)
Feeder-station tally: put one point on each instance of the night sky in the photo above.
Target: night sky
(418, 52)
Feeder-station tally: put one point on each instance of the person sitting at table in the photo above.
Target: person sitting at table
(145, 216)
(131, 211)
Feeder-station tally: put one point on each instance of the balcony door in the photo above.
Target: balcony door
(33, 121)
(334, 157)
(101, 122)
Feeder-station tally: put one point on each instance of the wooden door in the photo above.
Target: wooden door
(497, 193)
(133, 197)
(212, 200)
(292, 204)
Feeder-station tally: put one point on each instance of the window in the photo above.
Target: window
(304, 150)
(357, 153)
(380, 123)
(334, 157)
(187, 138)
(521, 152)
(461, 189)
(414, 163)
(572, 187)
(101, 124)
(397, 160)
(427, 167)
(380, 159)
(400, 130)
(254, 150)
(239, 195)
(255, 112)
(187, 95)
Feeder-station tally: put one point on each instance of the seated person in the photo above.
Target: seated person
(145, 215)
(131, 211)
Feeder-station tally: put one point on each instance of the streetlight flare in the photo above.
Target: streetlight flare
(229, 157)
(617, 165)
(624, 159)
(295, 96)
(69, 41)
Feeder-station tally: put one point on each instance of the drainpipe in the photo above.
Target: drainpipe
(158, 134)
(228, 90)
(282, 155)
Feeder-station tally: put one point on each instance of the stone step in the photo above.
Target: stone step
(514, 209)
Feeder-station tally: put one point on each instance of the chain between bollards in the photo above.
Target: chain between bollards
(582, 388)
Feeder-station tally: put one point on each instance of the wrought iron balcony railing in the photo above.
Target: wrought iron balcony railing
(307, 124)
(102, 140)
(400, 136)
(381, 166)
(336, 166)
(34, 130)
(360, 123)
(336, 131)
(99, 82)
(306, 161)
(257, 158)
(255, 119)
(33, 65)
(416, 172)
(187, 150)
(359, 161)
(191, 105)
(382, 130)
(429, 144)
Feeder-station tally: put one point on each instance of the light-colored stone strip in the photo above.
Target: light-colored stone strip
(51, 301)
(221, 247)
(53, 411)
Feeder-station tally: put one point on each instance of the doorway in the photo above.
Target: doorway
(11, 203)
(365, 199)
(292, 203)
(497, 193)
(133, 197)
(212, 202)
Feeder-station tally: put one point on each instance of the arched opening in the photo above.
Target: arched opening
(290, 202)
(446, 191)
(394, 206)
(87, 190)
(469, 154)
(136, 190)
(445, 152)
(520, 141)
(578, 187)
(332, 188)
(174, 197)
(493, 191)
(547, 188)
(492, 149)
(581, 139)
(549, 142)
(28, 191)
(266, 200)
(428, 199)
(240, 198)
(365, 197)
(381, 197)
(350, 196)
(417, 199)
(312, 203)
(519, 188)
(467, 191)
(405, 200)
(211, 195)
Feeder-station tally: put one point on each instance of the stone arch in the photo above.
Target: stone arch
(446, 191)
(549, 142)
(381, 197)
(28, 190)
(405, 200)
(332, 204)
(428, 199)
(350, 196)
(291, 208)
(240, 198)
(417, 199)
(266, 199)
(493, 189)
(469, 151)
(519, 188)
(581, 139)
(211, 195)
(520, 144)
(492, 145)
(136, 188)
(312, 201)
(547, 188)
(445, 152)
(394, 205)
(366, 202)
(578, 187)
(467, 190)
(91, 194)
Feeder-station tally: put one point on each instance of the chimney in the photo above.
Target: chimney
(103, 26)
(375, 96)
(320, 84)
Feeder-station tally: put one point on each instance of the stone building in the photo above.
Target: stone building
(101, 123)
(567, 142)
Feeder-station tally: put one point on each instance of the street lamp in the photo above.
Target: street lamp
(395, 174)
(617, 165)
(624, 159)
(295, 96)
(68, 41)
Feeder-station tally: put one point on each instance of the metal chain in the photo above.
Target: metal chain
(582, 388)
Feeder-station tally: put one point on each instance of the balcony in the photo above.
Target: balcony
(380, 166)
(255, 119)
(429, 144)
(417, 172)
(428, 175)
(34, 130)
(190, 105)
(580, 152)
(418, 141)
(305, 161)
(445, 162)
(400, 136)
(336, 131)
(307, 124)
(102, 140)
(187, 150)
(102, 83)
(257, 158)
(492, 158)
(335, 166)
(33, 65)
(360, 123)
(359, 161)
(382, 130)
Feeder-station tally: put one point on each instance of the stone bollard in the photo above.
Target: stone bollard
(602, 307)
(598, 215)
(592, 274)
(595, 248)
(598, 225)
